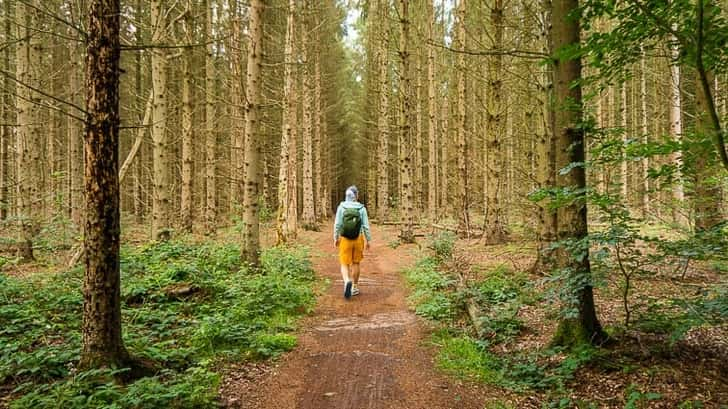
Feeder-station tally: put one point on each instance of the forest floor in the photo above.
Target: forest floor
(367, 352)
(372, 351)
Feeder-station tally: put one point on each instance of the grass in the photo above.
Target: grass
(230, 314)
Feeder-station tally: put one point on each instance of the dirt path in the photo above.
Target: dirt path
(364, 353)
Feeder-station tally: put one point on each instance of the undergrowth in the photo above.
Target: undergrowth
(221, 313)
(500, 293)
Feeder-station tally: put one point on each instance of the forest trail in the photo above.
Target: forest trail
(364, 353)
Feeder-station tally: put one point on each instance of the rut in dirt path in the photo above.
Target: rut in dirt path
(367, 352)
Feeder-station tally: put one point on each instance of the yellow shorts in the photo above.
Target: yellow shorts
(351, 251)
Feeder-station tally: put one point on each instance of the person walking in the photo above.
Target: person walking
(351, 227)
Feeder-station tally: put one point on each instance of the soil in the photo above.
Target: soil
(367, 352)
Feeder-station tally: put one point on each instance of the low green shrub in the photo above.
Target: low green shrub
(228, 313)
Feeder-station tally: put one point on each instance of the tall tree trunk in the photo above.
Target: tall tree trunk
(139, 194)
(645, 205)
(545, 151)
(250, 249)
(188, 133)
(572, 218)
(418, 176)
(30, 203)
(210, 135)
(308, 215)
(317, 129)
(675, 119)
(160, 149)
(238, 116)
(461, 127)
(407, 199)
(495, 230)
(431, 118)
(445, 205)
(383, 122)
(623, 168)
(286, 192)
(6, 198)
(102, 342)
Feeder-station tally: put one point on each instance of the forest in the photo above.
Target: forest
(546, 183)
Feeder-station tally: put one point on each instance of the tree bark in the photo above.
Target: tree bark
(495, 230)
(286, 191)
(463, 216)
(432, 178)
(407, 199)
(160, 149)
(675, 119)
(238, 116)
(308, 215)
(210, 135)
(102, 342)
(383, 122)
(545, 152)
(645, 137)
(250, 249)
(188, 132)
(29, 194)
(572, 218)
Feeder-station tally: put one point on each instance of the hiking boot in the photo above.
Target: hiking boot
(355, 291)
(347, 289)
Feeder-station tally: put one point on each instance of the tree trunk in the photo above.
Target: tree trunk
(160, 149)
(432, 179)
(210, 139)
(417, 173)
(461, 127)
(75, 140)
(250, 249)
(286, 192)
(545, 153)
(238, 116)
(675, 119)
(645, 137)
(6, 198)
(383, 122)
(308, 215)
(188, 133)
(30, 203)
(317, 135)
(495, 230)
(572, 218)
(102, 342)
(624, 170)
(407, 199)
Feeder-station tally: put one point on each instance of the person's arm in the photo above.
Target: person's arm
(338, 221)
(365, 225)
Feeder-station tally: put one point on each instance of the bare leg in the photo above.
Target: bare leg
(345, 272)
(355, 269)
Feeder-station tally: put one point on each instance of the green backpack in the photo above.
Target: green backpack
(351, 227)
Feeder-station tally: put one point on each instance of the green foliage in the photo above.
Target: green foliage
(468, 358)
(229, 313)
(442, 244)
(502, 292)
(193, 388)
(636, 398)
(432, 294)
(675, 317)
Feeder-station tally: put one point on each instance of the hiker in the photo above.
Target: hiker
(351, 221)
